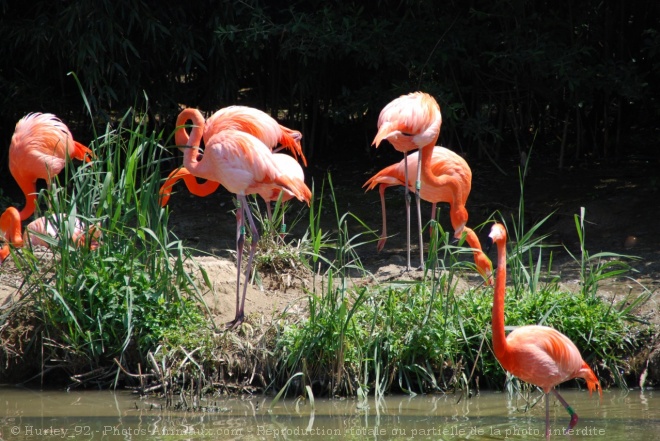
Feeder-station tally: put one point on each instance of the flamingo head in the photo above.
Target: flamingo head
(497, 233)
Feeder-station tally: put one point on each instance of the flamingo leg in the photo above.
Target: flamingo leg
(383, 235)
(240, 241)
(418, 186)
(433, 210)
(253, 248)
(547, 416)
(569, 409)
(407, 196)
(283, 227)
(269, 212)
(240, 301)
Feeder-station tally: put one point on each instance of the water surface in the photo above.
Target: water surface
(50, 415)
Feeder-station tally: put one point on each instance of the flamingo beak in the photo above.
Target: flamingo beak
(488, 244)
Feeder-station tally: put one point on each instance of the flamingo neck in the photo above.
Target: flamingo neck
(500, 345)
(193, 140)
(426, 154)
(181, 136)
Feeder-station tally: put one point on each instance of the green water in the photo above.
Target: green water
(37, 415)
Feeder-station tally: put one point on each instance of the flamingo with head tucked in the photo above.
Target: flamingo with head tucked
(411, 122)
(539, 355)
(243, 165)
(456, 173)
(39, 148)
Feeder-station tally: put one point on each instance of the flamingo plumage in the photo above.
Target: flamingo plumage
(411, 122)
(539, 355)
(10, 228)
(242, 164)
(40, 146)
(241, 118)
(457, 174)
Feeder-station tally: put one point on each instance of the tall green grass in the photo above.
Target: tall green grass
(136, 293)
(118, 301)
(435, 334)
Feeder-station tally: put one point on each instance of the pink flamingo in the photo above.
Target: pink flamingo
(241, 118)
(539, 355)
(456, 172)
(411, 122)
(242, 164)
(39, 148)
(10, 227)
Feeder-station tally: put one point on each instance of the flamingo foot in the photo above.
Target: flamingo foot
(238, 321)
(573, 422)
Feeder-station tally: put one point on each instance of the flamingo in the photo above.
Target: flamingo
(285, 163)
(411, 122)
(242, 164)
(39, 148)
(10, 227)
(243, 118)
(444, 162)
(539, 355)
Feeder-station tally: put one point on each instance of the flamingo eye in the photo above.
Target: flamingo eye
(406, 134)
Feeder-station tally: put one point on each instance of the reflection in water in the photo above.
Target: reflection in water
(29, 415)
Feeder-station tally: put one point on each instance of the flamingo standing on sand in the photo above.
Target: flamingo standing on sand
(243, 165)
(245, 119)
(453, 168)
(39, 148)
(10, 228)
(412, 122)
(539, 355)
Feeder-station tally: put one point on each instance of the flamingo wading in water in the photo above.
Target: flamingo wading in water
(539, 355)
(411, 122)
(39, 148)
(243, 165)
(446, 163)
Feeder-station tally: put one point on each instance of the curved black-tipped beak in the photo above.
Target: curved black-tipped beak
(488, 244)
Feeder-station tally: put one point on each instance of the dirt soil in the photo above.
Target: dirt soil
(621, 203)
(622, 210)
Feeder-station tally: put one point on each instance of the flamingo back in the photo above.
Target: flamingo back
(542, 356)
(256, 123)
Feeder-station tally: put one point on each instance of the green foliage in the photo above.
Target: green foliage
(598, 267)
(428, 336)
(499, 72)
(121, 299)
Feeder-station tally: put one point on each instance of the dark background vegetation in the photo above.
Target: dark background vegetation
(578, 82)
